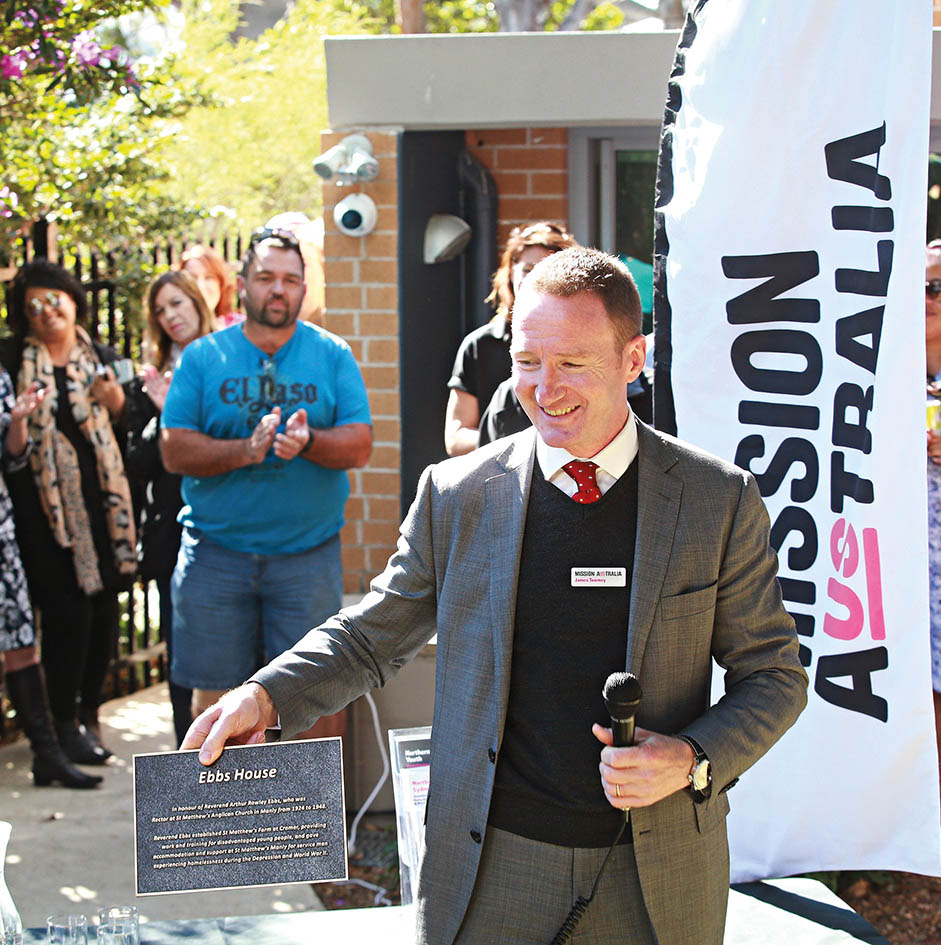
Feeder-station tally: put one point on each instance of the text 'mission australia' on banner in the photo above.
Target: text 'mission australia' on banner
(789, 338)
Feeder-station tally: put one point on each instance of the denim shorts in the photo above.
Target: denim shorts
(233, 611)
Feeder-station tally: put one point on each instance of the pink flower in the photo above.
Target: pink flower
(9, 201)
(85, 49)
(28, 17)
(13, 65)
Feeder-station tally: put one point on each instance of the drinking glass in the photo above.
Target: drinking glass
(119, 925)
(67, 929)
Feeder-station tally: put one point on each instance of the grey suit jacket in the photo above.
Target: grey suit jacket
(703, 587)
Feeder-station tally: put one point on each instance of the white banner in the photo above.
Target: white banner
(789, 338)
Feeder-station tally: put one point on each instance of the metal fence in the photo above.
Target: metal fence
(139, 656)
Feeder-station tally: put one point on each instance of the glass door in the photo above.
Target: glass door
(613, 174)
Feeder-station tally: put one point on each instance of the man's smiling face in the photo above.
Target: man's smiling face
(569, 373)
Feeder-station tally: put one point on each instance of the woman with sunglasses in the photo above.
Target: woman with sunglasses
(19, 655)
(933, 357)
(72, 503)
(177, 314)
(483, 359)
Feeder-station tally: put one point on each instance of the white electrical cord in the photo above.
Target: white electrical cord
(383, 778)
(380, 899)
(382, 894)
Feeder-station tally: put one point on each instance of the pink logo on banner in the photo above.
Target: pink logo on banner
(844, 553)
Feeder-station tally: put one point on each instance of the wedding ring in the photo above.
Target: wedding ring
(617, 789)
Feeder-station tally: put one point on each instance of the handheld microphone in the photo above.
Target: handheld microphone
(621, 698)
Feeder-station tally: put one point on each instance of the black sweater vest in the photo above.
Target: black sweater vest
(566, 641)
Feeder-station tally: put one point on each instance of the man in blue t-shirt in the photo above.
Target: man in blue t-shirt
(262, 419)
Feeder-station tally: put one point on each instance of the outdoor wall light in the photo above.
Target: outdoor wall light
(356, 215)
(350, 160)
(445, 237)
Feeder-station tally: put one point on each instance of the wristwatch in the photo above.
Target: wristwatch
(700, 775)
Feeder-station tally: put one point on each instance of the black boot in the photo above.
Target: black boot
(90, 728)
(27, 692)
(78, 746)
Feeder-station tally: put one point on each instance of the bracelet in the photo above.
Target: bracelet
(310, 440)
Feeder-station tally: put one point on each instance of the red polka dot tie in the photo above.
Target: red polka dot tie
(583, 472)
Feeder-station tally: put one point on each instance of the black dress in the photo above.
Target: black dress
(78, 631)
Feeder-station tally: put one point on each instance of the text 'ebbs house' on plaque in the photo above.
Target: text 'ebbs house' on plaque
(261, 815)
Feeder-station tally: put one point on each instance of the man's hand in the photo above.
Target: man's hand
(240, 717)
(934, 447)
(258, 444)
(650, 770)
(293, 441)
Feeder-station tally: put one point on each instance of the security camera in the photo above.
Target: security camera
(362, 165)
(355, 215)
(348, 161)
(330, 162)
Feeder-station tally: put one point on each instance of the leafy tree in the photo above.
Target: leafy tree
(82, 128)
(488, 16)
(248, 151)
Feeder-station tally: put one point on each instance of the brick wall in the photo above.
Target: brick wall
(361, 295)
(529, 166)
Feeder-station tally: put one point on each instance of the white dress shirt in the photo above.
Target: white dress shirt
(612, 461)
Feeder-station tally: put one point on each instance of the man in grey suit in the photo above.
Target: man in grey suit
(660, 565)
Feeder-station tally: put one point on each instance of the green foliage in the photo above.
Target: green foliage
(605, 16)
(55, 41)
(474, 16)
(248, 151)
(461, 16)
(370, 16)
(82, 133)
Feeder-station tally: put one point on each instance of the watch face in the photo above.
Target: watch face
(701, 776)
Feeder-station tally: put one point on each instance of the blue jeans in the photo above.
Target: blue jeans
(233, 610)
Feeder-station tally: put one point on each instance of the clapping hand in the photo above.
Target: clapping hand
(296, 434)
(28, 401)
(258, 444)
(155, 385)
(23, 406)
(107, 391)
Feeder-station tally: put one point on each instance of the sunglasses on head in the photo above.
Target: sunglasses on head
(36, 304)
(285, 237)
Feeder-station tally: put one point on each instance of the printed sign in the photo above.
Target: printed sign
(261, 815)
(789, 339)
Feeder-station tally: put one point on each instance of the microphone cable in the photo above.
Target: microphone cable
(622, 695)
(567, 929)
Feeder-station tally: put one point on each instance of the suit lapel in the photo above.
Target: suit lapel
(506, 499)
(658, 506)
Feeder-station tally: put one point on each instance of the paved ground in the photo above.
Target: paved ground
(74, 850)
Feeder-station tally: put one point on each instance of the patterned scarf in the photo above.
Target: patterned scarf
(55, 467)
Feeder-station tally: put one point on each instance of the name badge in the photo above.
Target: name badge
(599, 577)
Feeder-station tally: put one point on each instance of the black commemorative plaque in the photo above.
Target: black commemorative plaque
(261, 815)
